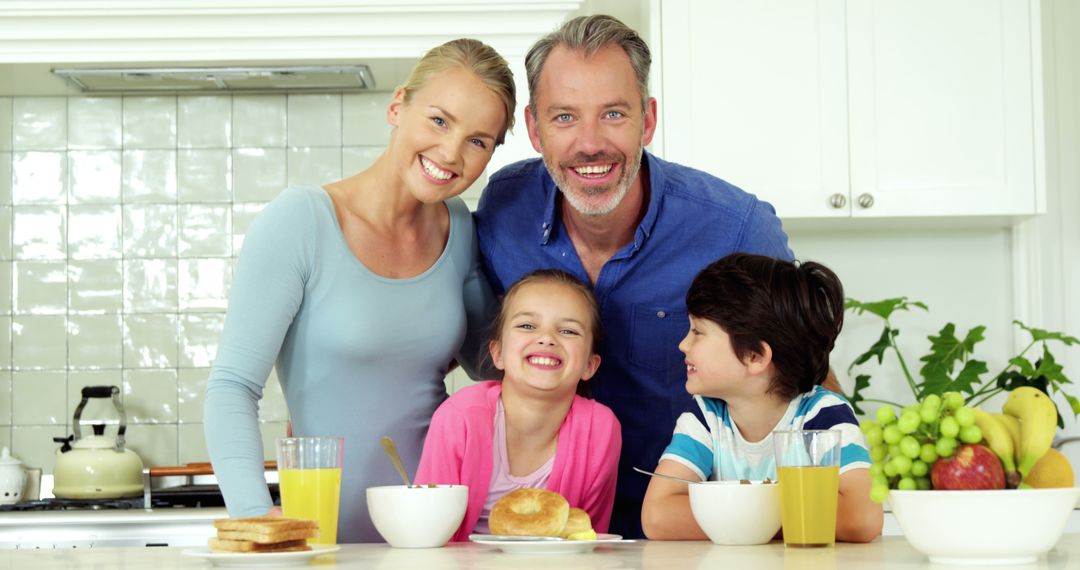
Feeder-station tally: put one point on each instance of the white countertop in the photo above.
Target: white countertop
(888, 553)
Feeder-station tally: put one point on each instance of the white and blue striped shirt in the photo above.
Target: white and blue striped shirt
(707, 441)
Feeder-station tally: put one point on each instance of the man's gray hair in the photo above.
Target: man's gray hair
(588, 34)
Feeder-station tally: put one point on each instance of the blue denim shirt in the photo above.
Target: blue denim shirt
(693, 219)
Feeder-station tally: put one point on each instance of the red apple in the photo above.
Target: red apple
(972, 467)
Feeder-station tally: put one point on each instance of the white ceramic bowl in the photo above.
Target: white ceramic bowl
(1010, 526)
(417, 517)
(733, 513)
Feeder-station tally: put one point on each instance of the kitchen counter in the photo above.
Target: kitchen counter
(889, 553)
(86, 529)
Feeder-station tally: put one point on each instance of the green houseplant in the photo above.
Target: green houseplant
(950, 364)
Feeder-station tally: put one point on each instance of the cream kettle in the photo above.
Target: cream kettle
(96, 466)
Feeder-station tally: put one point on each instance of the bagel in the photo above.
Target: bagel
(578, 526)
(529, 512)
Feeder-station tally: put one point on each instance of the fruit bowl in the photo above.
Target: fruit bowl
(1010, 526)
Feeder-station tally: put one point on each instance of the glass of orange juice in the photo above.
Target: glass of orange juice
(309, 477)
(808, 467)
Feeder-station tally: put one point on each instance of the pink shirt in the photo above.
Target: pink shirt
(502, 482)
(460, 450)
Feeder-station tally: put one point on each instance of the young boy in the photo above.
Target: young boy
(761, 331)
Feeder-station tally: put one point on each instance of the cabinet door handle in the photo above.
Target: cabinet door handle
(866, 200)
(838, 200)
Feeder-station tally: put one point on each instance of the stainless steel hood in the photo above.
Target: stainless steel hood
(213, 79)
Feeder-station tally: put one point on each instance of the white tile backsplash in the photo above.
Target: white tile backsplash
(39, 288)
(149, 122)
(40, 123)
(94, 122)
(94, 176)
(5, 177)
(38, 177)
(120, 222)
(204, 122)
(38, 232)
(5, 123)
(314, 120)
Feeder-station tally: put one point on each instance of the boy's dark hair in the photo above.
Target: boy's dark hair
(797, 308)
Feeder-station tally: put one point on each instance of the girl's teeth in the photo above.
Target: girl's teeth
(543, 361)
(434, 171)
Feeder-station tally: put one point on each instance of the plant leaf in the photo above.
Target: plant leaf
(878, 349)
(1025, 365)
(938, 381)
(862, 381)
(946, 349)
(968, 378)
(1044, 335)
(1073, 403)
(883, 308)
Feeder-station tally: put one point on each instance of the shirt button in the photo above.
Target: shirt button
(660, 314)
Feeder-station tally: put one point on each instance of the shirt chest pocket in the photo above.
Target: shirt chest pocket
(655, 333)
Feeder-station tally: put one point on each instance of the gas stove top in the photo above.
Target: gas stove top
(54, 504)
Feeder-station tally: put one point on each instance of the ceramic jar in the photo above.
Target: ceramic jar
(12, 478)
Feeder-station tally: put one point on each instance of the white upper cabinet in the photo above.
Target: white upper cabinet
(864, 108)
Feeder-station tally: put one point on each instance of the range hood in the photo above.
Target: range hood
(211, 79)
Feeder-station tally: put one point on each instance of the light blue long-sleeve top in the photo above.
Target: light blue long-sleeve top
(358, 355)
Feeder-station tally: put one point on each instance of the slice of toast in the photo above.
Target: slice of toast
(265, 525)
(268, 538)
(222, 545)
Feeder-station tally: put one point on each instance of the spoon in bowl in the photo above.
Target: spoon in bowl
(391, 451)
(662, 476)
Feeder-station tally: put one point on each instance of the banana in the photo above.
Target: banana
(1038, 424)
(1013, 425)
(1000, 442)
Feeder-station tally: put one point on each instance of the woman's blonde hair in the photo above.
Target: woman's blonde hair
(471, 55)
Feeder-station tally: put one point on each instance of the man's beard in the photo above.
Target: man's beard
(577, 195)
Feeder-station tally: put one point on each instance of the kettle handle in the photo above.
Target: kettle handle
(102, 392)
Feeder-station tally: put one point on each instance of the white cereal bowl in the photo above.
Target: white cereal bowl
(732, 513)
(417, 517)
(1012, 526)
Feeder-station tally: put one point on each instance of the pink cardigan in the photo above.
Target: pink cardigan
(459, 449)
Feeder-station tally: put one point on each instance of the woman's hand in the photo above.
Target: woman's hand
(275, 511)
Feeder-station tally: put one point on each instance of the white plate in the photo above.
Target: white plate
(513, 546)
(261, 559)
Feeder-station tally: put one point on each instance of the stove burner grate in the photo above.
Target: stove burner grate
(55, 504)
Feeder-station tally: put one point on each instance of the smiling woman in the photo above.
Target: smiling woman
(334, 280)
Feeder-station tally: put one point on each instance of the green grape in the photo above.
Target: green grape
(908, 422)
(886, 415)
(902, 465)
(913, 408)
(875, 436)
(949, 427)
(906, 484)
(923, 483)
(890, 469)
(971, 434)
(894, 450)
(928, 454)
(932, 401)
(880, 480)
(910, 447)
(878, 493)
(866, 425)
(877, 453)
(953, 400)
(877, 470)
(945, 447)
(929, 415)
(919, 468)
(892, 434)
(964, 416)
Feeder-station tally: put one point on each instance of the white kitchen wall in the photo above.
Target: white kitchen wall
(120, 221)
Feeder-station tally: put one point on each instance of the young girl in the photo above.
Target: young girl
(531, 429)
(761, 331)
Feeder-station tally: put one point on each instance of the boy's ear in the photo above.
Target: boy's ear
(758, 361)
(496, 354)
(591, 368)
